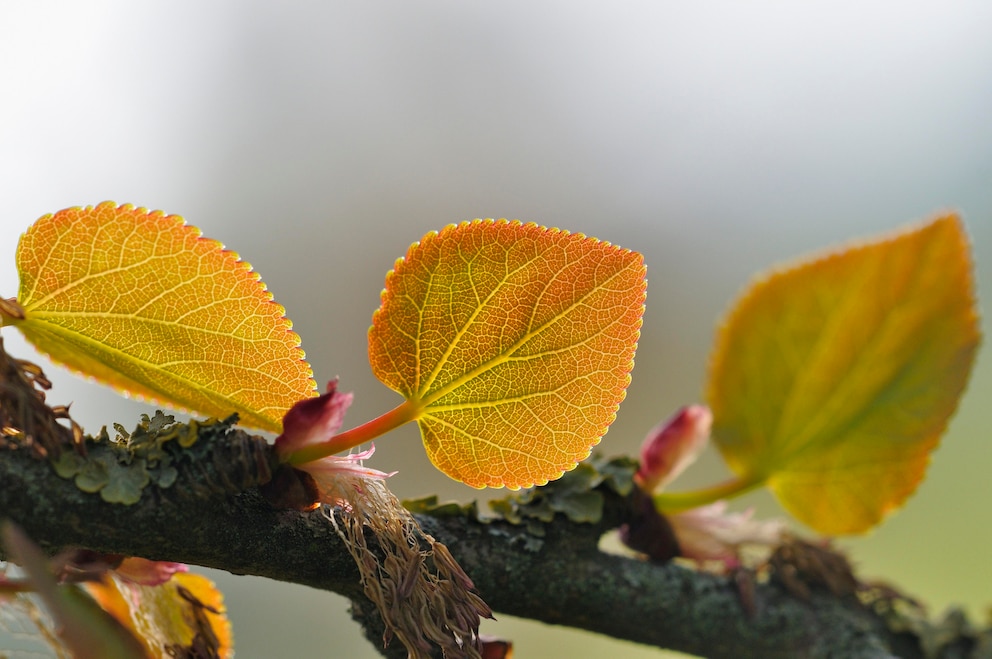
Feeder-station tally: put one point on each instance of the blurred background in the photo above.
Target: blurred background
(320, 139)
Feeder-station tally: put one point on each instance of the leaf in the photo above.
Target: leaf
(85, 629)
(513, 343)
(185, 616)
(140, 301)
(833, 379)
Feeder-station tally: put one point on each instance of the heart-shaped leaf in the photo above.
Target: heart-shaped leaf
(140, 301)
(832, 380)
(513, 344)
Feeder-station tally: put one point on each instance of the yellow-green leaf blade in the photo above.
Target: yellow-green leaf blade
(514, 341)
(140, 301)
(832, 380)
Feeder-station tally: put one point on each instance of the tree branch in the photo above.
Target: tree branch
(540, 561)
(566, 581)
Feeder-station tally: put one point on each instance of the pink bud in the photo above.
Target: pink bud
(672, 446)
(313, 420)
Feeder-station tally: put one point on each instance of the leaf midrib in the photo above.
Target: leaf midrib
(164, 394)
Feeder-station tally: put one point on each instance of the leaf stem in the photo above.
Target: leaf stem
(394, 418)
(10, 311)
(675, 502)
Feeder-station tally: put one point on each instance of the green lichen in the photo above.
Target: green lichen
(126, 482)
(68, 464)
(94, 474)
(429, 505)
(617, 473)
(574, 495)
(121, 468)
(577, 495)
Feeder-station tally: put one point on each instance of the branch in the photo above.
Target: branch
(213, 514)
(566, 581)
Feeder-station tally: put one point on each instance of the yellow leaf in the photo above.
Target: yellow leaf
(140, 301)
(832, 380)
(513, 344)
(185, 612)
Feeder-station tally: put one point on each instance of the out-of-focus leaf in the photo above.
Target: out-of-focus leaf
(833, 379)
(81, 624)
(140, 301)
(496, 648)
(184, 615)
(513, 344)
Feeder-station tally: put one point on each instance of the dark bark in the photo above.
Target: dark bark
(565, 580)
(547, 566)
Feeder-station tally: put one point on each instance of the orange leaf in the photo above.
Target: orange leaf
(513, 343)
(186, 613)
(832, 380)
(140, 301)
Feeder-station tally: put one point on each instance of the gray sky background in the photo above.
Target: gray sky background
(319, 139)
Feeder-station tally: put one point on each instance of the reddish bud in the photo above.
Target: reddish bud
(672, 446)
(313, 420)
